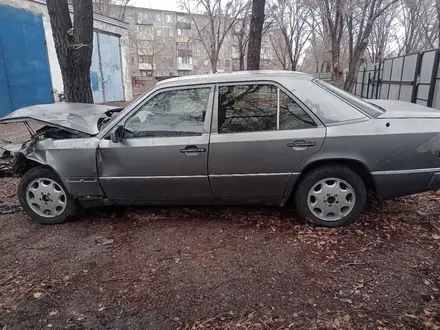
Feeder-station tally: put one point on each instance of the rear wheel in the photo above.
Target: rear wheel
(331, 196)
(44, 197)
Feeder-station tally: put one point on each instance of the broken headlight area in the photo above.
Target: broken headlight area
(13, 155)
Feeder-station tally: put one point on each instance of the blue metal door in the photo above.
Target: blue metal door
(106, 70)
(24, 67)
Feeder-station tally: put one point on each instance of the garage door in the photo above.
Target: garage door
(24, 67)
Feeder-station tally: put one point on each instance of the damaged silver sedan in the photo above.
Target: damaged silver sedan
(252, 137)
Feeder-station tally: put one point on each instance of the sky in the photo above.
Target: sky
(157, 4)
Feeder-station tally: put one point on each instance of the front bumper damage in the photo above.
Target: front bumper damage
(15, 156)
(9, 159)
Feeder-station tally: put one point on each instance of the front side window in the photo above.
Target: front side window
(170, 114)
(257, 108)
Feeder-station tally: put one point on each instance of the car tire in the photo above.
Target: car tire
(44, 197)
(331, 196)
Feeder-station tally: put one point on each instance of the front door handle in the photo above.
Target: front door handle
(301, 144)
(192, 150)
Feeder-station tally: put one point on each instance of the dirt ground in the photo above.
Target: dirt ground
(221, 268)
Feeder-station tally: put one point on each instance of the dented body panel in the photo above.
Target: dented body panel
(397, 147)
(76, 117)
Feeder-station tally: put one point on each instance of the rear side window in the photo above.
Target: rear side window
(325, 105)
(258, 108)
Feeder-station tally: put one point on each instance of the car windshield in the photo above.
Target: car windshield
(365, 107)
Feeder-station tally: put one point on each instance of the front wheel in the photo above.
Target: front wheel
(44, 197)
(331, 196)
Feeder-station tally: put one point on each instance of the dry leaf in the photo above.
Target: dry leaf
(38, 295)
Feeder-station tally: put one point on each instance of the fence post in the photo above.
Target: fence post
(356, 83)
(379, 79)
(363, 82)
(416, 78)
(433, 79)
(368, 84)
(373, 82)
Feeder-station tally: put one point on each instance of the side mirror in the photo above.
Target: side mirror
(117, 134)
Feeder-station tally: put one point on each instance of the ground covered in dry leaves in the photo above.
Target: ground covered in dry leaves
(222, 268)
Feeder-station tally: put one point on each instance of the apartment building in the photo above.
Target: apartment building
(164, 44)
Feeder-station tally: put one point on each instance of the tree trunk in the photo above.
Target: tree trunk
(74, 47)
(353, 67)
(214, 60)
(351, 76)
(255, 34)
(337, 77)
(293, 65)
(241, 59)
(241, 52)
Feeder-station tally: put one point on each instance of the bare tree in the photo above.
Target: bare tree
(256, 34)
(331, 16)
(112, 8)
(74, 46)
(241, 33)
(150, 52)
(318, 52)
(291, 20)
(361, 16)
(380, 43)
(279, 47)
(214, 22)
(411, 39)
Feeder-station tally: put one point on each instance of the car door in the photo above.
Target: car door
(164, 151)
(260, 134)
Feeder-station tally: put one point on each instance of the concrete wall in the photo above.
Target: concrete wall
(101, 22)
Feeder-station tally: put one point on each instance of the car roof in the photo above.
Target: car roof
(235, 76)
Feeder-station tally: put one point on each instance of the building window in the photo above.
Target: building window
(170, 33)
(133, 60)
(131, 44)
(182, 73)
(157, 17)
(169, 18)
(171, 61)
(227, 63)
(146, 73)
(184, 33)
(183, 46)
(145, 32)
(185, 60)
(257, 108)
(145, 59)
(158, 32)
(144, 28)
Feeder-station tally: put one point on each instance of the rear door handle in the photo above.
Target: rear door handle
(301, 144)
(192, 150)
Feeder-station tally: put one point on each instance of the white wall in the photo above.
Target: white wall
(100, 22)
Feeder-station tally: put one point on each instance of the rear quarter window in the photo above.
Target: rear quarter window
(326, 106)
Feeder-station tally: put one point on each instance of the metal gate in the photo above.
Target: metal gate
(412, 78)
(24, 67)
(368, 81)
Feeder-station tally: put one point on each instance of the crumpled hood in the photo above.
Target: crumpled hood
(80, 117)
(402, 109)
